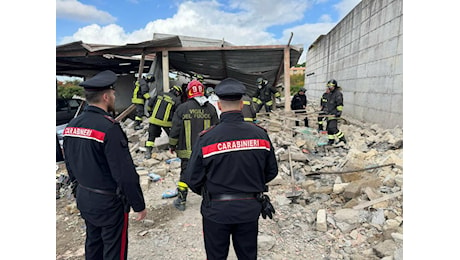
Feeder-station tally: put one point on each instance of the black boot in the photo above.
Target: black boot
(179, 203)
(320, 127)
(342, 139)
(148, 153)
(330, 142)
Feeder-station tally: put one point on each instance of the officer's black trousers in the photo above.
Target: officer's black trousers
(106, 236)
(217, 239)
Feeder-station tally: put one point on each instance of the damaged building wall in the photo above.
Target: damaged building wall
(364, 53)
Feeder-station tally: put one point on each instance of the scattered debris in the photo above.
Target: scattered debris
(341, 201)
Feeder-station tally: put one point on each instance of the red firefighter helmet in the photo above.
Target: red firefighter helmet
(195, 89)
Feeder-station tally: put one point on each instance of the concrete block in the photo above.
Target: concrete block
(354, 189)
(339, 188)
(144, 182)
(321, 223)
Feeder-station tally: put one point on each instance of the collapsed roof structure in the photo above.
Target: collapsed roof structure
(214, 59)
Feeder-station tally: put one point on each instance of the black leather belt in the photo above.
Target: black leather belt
(105, 192)
(233, 196)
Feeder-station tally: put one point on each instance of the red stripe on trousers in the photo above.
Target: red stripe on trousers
(123, 237)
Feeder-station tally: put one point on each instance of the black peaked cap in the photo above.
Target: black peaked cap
(230, 89)
(100, 81)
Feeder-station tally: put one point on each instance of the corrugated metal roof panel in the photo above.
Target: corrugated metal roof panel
(214, 59)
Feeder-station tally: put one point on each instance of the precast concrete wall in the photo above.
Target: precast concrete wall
(364, 53)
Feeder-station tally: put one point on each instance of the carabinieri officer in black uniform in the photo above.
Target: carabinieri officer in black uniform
(229, 167)
(98, 161)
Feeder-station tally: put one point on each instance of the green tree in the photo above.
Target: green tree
(68, 89)
(297, 82)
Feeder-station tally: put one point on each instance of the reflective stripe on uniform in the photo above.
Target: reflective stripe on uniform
(137, 101)
(183, 153)
(188, 135)
(159, 122)
(207, 124)
(85, 133)
(256, 100)
(173, 141)
(182, 185)
(235, 146)
(339, 134)
(163, 121)
(149, 144)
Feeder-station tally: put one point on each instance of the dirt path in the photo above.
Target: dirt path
(168, 233)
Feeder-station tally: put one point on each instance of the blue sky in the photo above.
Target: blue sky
(241, 22)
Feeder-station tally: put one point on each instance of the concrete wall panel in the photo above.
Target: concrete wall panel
(363, 52)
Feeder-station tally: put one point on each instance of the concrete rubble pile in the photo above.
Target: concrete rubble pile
(345, 197)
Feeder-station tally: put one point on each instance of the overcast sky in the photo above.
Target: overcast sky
(241, 22)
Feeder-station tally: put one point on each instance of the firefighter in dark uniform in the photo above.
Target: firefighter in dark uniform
(322, 110)
(248, 110)
(190, 118)
(230, 166)
(163, 107)
(334, 106)
(102, 171)
(140, 95)
(299, 104)
(263, 97)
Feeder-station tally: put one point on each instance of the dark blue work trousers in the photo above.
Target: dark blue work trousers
(106, 236)
(217, 239)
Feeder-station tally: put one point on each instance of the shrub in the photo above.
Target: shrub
(69, 91)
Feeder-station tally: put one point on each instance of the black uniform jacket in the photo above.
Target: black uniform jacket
(298, 102)
(189, 119)
(163, 106)
(264, 93)
(334, 103)
(323, 101)
(97, 156)
(248, 110)
(232, 157)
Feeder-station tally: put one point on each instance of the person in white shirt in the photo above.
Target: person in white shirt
(213, 98)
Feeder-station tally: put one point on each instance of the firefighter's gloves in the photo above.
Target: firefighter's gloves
(267, 207)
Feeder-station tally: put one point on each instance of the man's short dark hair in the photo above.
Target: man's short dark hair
(94, 96)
